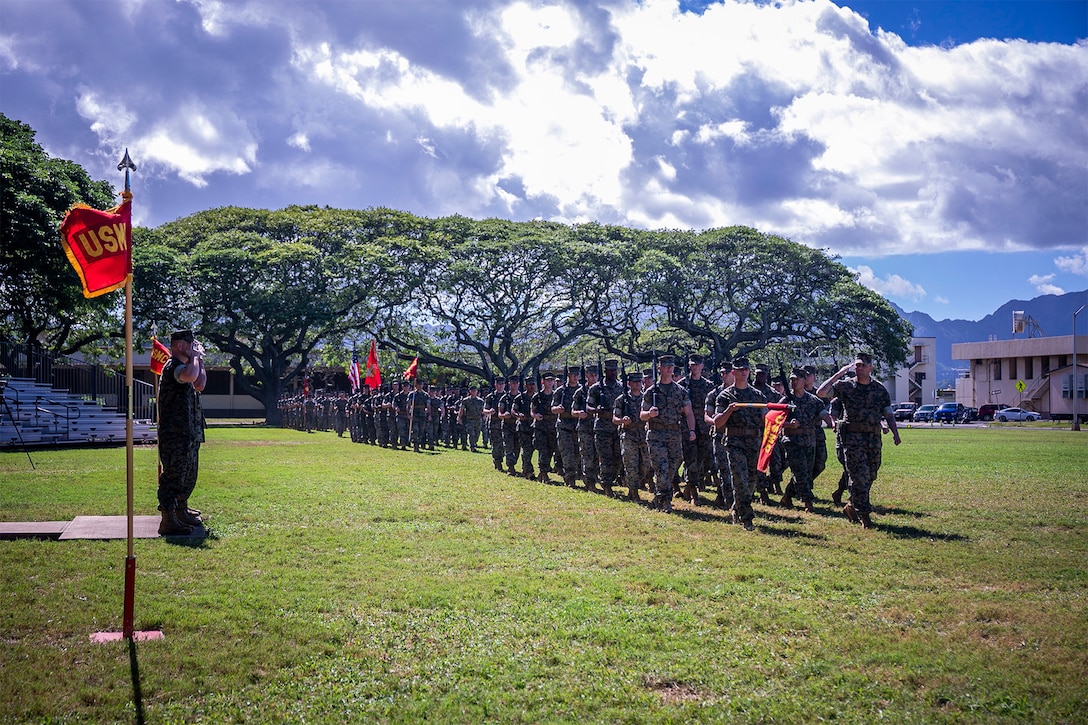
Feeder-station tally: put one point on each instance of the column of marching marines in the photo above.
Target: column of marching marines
(667, 435)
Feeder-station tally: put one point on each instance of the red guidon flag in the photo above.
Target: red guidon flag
(99, 246)
(772, 427)
(373, 372)
(412, 370)
(160, 354)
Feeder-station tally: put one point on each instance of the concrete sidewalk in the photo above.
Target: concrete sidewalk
(100, 528)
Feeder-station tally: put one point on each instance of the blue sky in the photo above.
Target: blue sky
(939, 148)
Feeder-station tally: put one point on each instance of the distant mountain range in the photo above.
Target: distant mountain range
(1052, 314)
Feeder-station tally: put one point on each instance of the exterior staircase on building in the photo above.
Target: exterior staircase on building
(35, 414)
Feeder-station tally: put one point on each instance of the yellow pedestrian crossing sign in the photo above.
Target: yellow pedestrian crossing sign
(1020, 385)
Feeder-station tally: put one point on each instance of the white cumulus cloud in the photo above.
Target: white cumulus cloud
(890, 286)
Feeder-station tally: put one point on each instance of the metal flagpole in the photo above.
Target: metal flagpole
(130, 559)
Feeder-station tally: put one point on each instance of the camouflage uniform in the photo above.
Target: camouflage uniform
(510, 442)
(600, 401)
(863, 407)
(800, 443)
(491, 408)
(181, 431)
(633, 446)
(400, 409)
(472, 418)
(418, 406)
(741, 437)
(523, 410)
(719, 462)
(665, 436)
(544, 434)
(697, 452)
(340, 407)
(587, 448)
(566, 432)
(381, 417)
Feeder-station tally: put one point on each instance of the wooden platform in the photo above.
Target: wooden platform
(90, 527)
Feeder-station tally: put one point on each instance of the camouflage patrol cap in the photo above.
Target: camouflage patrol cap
(798, 373)
(695, 359)
(548, 376)
(611, 364)
(186, 335)
(574, 369)
(763, 368)
(741, 363)
(809, 370)
(666, 360)
(635, 376)
(726, 365)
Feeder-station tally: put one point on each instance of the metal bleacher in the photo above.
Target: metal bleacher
(65, 402)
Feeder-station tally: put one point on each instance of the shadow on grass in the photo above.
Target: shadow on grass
(193, 542)
(763, 528)
(137, 691)
(914, 532)
(893, 511)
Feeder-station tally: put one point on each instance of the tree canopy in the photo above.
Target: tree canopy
(41, 298)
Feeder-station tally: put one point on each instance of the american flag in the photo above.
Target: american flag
(353, 371)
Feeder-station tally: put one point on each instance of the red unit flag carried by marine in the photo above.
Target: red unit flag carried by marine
(412, 370)
(373, 372)
(772, 427)
(160, 355)
(99, 246)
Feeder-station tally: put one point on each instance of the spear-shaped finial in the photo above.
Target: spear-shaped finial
(127, 164)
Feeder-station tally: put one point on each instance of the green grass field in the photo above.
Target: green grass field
(346, 583)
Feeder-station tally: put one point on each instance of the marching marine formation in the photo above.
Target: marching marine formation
(671, 436)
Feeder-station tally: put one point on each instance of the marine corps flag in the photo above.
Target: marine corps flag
(412, 370)
(99, 246)
(160, 354)
(373, 372)
(772, 427)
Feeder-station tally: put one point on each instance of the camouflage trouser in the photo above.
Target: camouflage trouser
(607, 443)
(546, 445)
(725, 479)
(382, 426)
(567, 442)
(525, 448)
(697, 458)
(496, 445)
(511, 444)
(420, 429)
(471, 433)
(765, 482)
(587, 450)
(820, 463)
(636, 462)
(801, 458)
(180, 457)
(402, 430)
(341, 423)
(742, 455)
(666, 452)
(861, 456)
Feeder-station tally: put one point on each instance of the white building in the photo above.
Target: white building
(1034, 373)
(917, 382)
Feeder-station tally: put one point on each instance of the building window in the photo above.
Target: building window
(997, 370)
(1046, 364)
(1062, 361)
(1029, 368)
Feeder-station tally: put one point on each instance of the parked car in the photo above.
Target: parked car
(1008, 414)
(970, 415)
(905, 411)
(924, 414)
(986, 412)
(948, 413)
